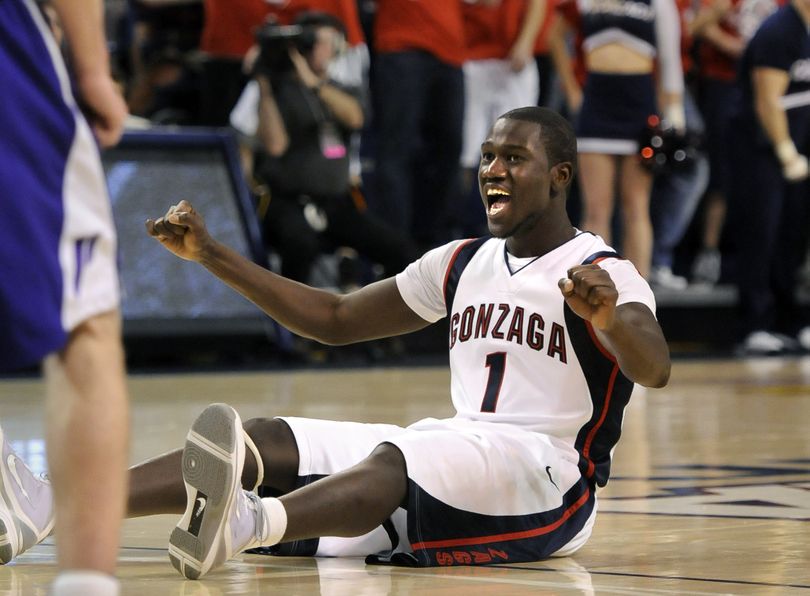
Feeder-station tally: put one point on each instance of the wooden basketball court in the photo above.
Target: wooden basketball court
(710, 491)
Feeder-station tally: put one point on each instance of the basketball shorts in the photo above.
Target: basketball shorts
(57, 238)
(614, 113)
(478, 493)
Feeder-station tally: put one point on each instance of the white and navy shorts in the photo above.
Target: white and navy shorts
(614, 113)
(478, 493)
(57, 238)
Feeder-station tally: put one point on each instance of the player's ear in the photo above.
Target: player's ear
(561, 176)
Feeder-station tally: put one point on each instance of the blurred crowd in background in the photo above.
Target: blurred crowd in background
(360, 123)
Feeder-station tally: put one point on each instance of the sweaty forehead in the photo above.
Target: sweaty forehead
(509, 131)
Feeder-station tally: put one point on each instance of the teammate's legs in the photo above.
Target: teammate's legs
(88, 437)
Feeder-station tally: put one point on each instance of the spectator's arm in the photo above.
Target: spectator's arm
(522, 51)
(563, 64)
(272, 132)
(769, 85)
(344, 106)
(723, 41)
(668, 36)
(708, 14)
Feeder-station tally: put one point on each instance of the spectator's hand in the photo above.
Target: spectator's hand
(590, 293)
(249, 61)
(794, 165)
(104, 107)
(305, 74)
(182, 231)
(520, 55)
(797, 169)
(574, 101)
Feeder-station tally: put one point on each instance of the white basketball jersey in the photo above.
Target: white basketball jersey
(518, 354)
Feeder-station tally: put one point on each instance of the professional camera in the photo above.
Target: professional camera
(663, 149)
(275, 41)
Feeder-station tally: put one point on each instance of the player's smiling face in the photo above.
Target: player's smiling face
(514, 177)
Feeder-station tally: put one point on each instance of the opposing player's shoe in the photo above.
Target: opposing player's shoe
(26, 505)
(221, 520)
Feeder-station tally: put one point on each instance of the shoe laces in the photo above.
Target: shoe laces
(262, 530)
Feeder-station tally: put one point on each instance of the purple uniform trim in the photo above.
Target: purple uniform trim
(38, 130)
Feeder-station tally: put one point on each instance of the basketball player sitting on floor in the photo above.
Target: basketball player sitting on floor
(548, 331)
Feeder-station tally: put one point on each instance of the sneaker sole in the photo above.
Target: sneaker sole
(212, 468)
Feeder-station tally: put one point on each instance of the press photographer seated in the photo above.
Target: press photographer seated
(304, 126)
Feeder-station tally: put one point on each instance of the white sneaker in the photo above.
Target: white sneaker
(706, 267)
(26, 506)
(803, 337)
(766, 343)
(221, 520)
(663, 278)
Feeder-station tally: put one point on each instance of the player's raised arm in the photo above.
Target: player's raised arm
(629, 330)
(372, 312)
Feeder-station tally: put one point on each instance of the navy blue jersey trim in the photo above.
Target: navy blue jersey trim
(609, 391)
(458, 263)
(602, 254)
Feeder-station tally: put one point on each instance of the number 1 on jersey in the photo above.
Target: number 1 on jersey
(496, 363)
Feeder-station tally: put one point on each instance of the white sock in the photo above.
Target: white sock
(85, 583)
(276, 519)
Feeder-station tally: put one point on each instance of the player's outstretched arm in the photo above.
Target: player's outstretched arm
(372, 312)
(629, 331)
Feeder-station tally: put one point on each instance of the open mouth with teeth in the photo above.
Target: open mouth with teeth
(497, 199)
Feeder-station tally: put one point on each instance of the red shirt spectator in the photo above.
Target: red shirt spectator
(434, 26)
(491, 30)
(230, 26)
(345, 10)
(714, 63)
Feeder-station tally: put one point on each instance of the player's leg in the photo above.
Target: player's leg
(157, 487)
(221, 519)
(349, 503)
(87, 436)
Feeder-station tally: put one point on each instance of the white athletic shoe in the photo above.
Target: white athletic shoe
(662, 278)
(26, 506)
(765, 343)
(221, 520)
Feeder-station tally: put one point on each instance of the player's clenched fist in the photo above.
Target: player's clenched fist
(182, 231)
(591, 293)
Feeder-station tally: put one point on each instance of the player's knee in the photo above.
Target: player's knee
(270, 434)
(276, 445)
(389, 463)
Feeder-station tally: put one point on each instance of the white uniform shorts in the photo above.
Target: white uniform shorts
(478, 492)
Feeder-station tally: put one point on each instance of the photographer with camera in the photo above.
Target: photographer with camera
(303, 127)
